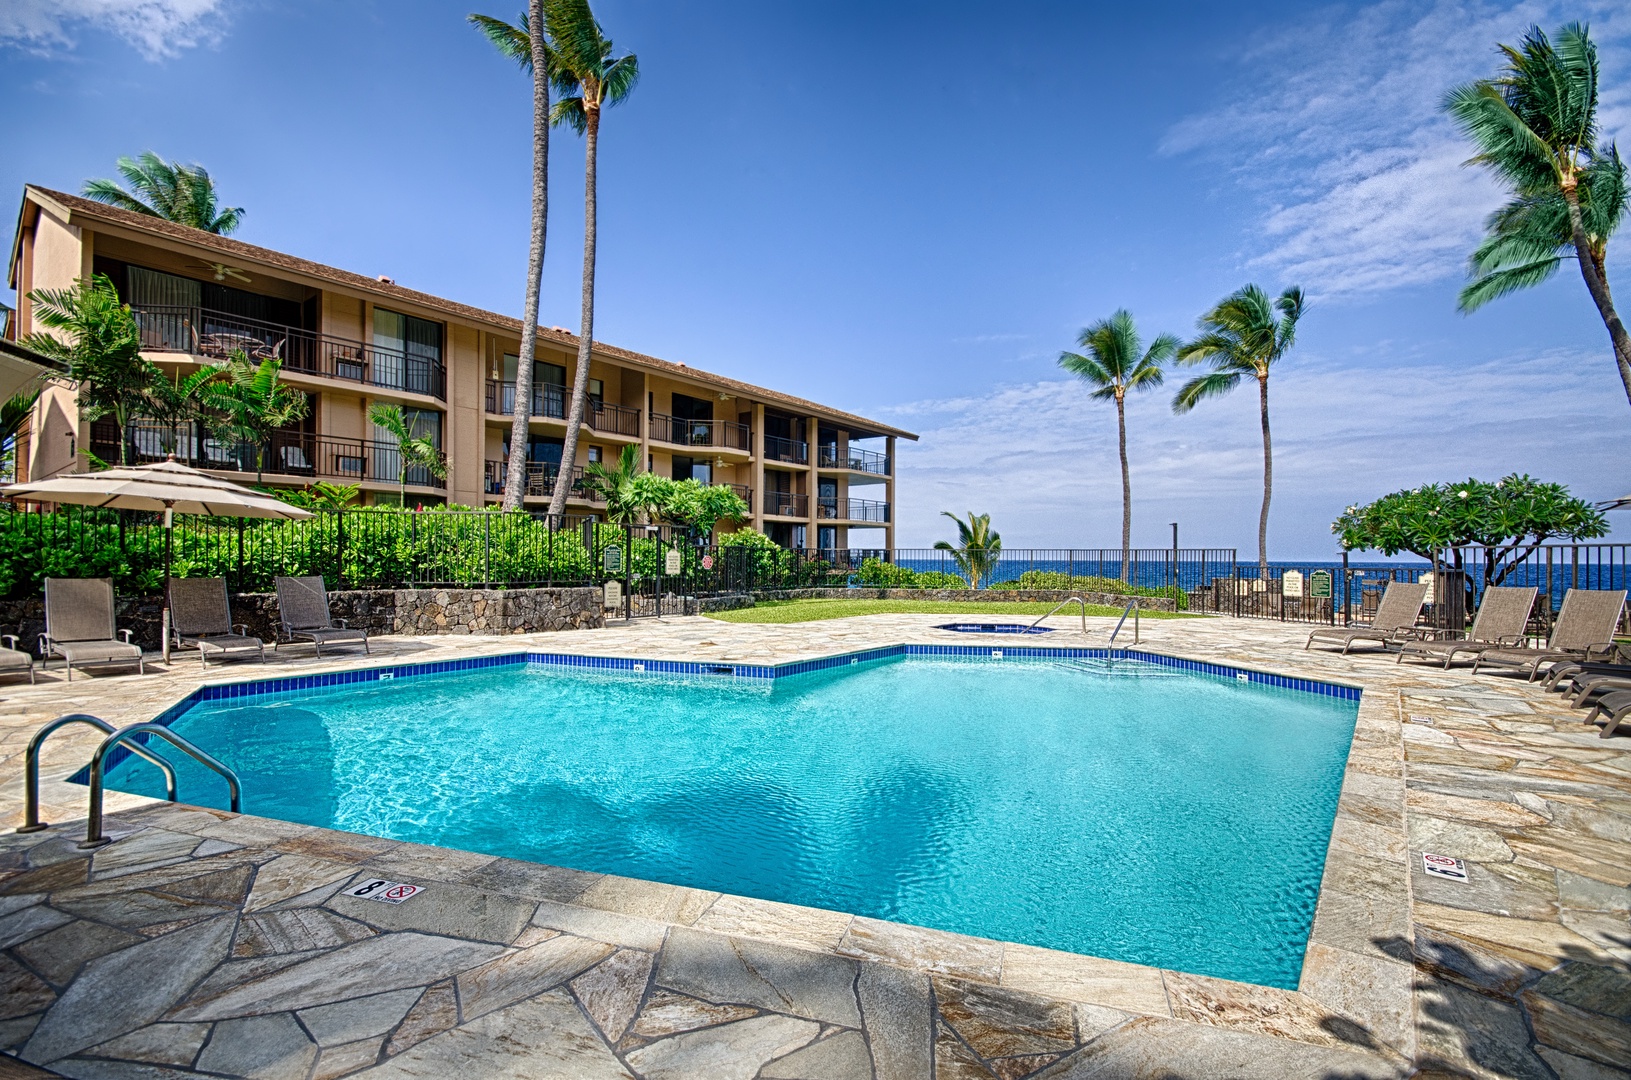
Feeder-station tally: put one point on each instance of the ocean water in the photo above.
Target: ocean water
(1114, 808)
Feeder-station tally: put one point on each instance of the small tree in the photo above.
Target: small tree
(177, 401)
(102, 347)
(251, 403)
(700, 506)
(615, 485)
(413, 451)
(977, 547)
(1508, 520)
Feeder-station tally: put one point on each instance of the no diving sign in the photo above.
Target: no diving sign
(386, 892)
(1445, 867)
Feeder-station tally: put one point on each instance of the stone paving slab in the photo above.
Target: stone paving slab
(207, 943)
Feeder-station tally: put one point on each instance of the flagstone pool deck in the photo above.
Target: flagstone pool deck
(205, 943)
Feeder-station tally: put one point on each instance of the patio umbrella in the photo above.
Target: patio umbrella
(166, 485)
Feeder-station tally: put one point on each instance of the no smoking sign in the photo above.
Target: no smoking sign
(386, 892)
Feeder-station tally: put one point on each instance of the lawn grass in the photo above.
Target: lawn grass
(793, 611)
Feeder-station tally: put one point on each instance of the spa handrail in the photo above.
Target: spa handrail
(93, 824)
(31, 766)
(1066, 602)
(1132, 606)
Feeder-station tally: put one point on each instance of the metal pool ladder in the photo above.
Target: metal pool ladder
(1066, 602)
(115, 738)
(1132, 606)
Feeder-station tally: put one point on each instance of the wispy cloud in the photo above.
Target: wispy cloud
(1041, 457)
(1336, 125)
(157, 28)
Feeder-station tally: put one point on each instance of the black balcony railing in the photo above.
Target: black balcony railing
(614, 419)
(540, 480)
(217, 335)
(787, 504)
(746, 493)
(286, 454)
(854, 459)
(792, 451)
(846, 509)
(724, 434)
(547, 399)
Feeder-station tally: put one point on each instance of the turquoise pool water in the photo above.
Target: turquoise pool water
(1117, 809)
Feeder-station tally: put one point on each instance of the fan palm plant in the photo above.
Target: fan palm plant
(531, 50)
(977, 547)
(1535, 127)
(1245, 335)
(615, 486)
(412, 451)
(14, 414)
(250, 403)
(99, 341)
(1111, 360)
(590, 79)
(184, 194)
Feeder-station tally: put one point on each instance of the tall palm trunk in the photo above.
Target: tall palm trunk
(1268, 480)
(1126, 490)
(586, 331)
(1597, 285)
(515, 477)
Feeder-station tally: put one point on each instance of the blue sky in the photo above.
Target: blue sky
(908, 210)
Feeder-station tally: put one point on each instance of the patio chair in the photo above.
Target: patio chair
(302, 604)
(1613, 708)
(201, 618)
(1584, 629)
(79, 625)
(1393, 624)
(1500, 623)
(14, 660)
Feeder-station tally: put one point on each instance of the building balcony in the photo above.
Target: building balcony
(853, 459)
(713, 434)
(746, 493)
(540, 480)
(288, 455)
(787, 504)
(216, 335)
(551, 402)
(846, 509)
(790, 451)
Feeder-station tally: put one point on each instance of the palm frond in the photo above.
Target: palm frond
(1198, 389)
(1088, 368)
(578, 40)
(619, 79)
(569, 111)
(1498, 283)
(510, 39)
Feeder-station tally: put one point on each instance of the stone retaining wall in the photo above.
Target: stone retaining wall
(1045, 596)
(378, 611)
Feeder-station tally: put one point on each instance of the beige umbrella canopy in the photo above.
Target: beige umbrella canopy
(164, 485)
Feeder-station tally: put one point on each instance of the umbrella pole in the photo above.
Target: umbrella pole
(169, 534)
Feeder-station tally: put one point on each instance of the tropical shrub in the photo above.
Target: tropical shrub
(1056, 579)
(876, 573)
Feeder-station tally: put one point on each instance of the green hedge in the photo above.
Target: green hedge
(1054, 579)
(877, 574)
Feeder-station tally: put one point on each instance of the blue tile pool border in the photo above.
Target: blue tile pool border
(298, 684)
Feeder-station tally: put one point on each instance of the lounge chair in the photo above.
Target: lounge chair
(302, 604)
(1500, 623)
(1584, 629)
(201, 618)
(1393, 623)
(13, 660)
(1613, 708)
(79, 625)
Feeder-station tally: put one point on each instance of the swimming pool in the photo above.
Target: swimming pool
(1116, 808)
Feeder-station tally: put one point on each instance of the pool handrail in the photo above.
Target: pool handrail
(1066, 602)
(1132, 606)
(93, 822)
(31, 766)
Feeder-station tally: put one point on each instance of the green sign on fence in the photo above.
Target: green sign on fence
(612, 560)
(1319, 584)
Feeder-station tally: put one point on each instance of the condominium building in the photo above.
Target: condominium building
(813, 476)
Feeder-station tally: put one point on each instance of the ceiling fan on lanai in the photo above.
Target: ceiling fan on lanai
(221, 271)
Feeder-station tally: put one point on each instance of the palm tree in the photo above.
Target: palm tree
(102, 347)
(590, 79)
(1111, 360)
(1535, 127)
(178, 402)
(614, 485)
(14, 415)
(412, 451)
(184, 194)
(977, 547)
(1246, 334)
(532, 52)
(251, 404)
